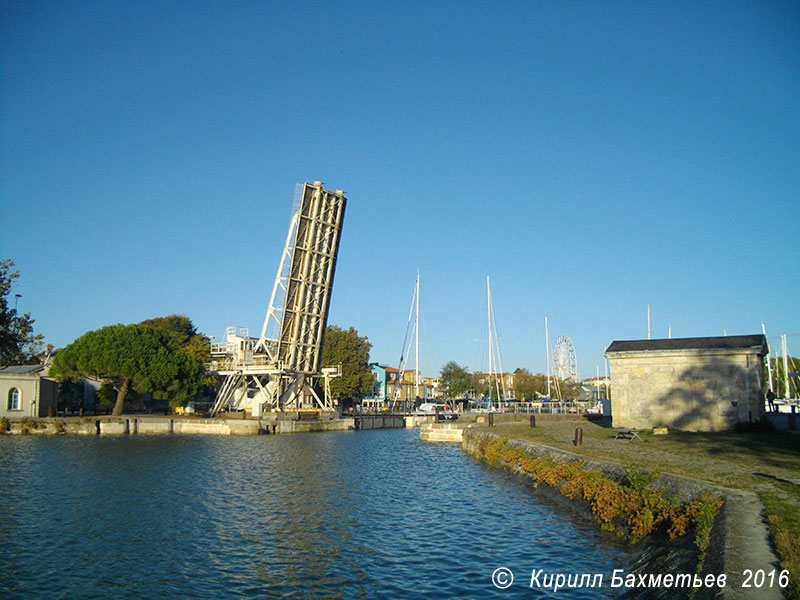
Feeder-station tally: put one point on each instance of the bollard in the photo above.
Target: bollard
(436, 418)
(491, 419)
(533, 420)
(578, 437)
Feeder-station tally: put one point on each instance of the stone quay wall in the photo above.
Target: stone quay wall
(739, 539)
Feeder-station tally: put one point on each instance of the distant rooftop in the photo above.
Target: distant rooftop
(21, 369)
(729, 342)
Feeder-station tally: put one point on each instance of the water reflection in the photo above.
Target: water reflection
(339, 515)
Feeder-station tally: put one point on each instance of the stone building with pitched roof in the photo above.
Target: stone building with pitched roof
(26, 391)
(693, 384)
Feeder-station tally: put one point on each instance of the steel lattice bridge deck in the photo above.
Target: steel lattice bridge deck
(278, 369)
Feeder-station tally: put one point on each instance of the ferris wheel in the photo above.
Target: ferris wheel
(565, 366)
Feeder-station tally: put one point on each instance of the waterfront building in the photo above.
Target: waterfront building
(480, 381)
(433, 385)
(594, 389)
(383, 386)
(377, 399)
(407, 386)
(693, 384)
(26, 391)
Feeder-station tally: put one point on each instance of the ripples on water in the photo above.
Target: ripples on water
(332, 515)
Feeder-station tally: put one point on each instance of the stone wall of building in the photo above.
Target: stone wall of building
(37, 394)
(692, 390)
(28, 386)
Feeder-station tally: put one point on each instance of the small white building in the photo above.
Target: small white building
(26, 391)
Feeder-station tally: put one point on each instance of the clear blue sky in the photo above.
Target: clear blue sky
(592, 157)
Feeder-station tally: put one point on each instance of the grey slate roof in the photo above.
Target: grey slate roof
(21, 369)
(730, 342)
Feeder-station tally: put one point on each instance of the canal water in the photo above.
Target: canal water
(374, 514)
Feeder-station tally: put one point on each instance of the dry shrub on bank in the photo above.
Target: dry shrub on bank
(633, 511)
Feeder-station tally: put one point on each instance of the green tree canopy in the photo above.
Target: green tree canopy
(351, 351)
(185, 333)
(526, 385)
(456, 380)
(145, 358)
(569, 389)
(18, 343)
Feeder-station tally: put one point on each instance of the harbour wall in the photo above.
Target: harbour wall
(148, 425)
(443, 432)
(235, 424)
(453, 431)
(739, 539)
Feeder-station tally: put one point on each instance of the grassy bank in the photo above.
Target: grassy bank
(767, 463)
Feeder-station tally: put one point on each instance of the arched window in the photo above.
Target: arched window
(14, 399)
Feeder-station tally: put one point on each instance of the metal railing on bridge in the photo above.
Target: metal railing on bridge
(553, 408)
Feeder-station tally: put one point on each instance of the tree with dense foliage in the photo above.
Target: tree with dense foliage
(456, 380)
(350, 350)
(139, 357)
(18, 344)
(189, 339)
(185, 333)
(570, 389)
(526, 385)
(480, 384)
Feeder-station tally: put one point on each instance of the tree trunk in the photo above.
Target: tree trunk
(120, 403)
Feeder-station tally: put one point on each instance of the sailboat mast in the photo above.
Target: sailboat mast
(597, 381)
(489, 325)
(404, 352)
(547, 352)
(785, 350)
(416, 346)
(769, 362)
(499, 379)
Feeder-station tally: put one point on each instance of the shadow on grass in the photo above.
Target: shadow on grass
(774, 478)
(777, 449)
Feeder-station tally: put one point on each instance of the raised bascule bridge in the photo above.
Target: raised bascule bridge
(280, 369)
